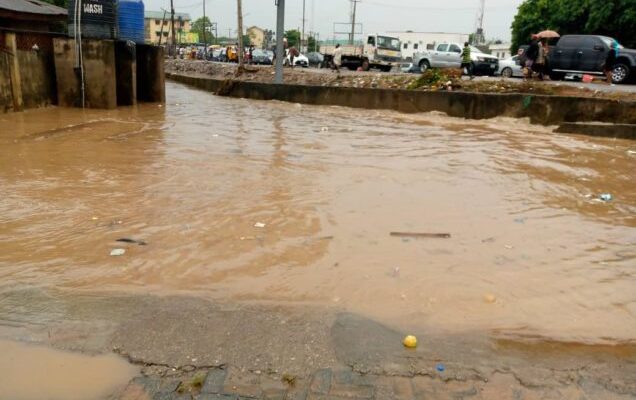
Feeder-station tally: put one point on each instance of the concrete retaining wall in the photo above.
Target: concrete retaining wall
(99, 73)
(6, 95)
(37, 78)
(545, 110)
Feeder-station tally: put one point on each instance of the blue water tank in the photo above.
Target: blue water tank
(130, 18)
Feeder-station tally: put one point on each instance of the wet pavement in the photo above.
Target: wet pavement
(267, 203)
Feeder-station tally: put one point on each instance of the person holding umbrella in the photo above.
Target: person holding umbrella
(531, 56)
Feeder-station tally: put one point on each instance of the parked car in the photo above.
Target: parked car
(214, 54)
(299, 61)
(586, 54)
(410, 68)
(261, 57)
(448, 55)
(510, 67)
(315, 59)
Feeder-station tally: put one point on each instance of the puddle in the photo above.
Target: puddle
(34, 373)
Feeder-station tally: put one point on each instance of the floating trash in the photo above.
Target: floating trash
(606, 197)
(117, 252)
(410, 341)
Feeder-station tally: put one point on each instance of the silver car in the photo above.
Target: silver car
(510, 67)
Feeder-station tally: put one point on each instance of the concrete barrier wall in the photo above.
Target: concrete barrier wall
(545, 110)
(6, 96)
(37, 79)
(99, 73)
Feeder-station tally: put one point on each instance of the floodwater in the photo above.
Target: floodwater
(35, 372)
(263, 201)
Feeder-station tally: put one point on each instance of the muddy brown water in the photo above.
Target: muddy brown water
(266, 201)
(35, 372)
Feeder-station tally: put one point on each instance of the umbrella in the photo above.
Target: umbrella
(548, 34)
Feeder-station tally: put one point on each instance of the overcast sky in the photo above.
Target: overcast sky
(375, 15)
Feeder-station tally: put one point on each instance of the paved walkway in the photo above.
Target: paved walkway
(342, 384)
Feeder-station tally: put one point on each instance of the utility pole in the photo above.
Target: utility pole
(174, 36)
(239, 6)
(353, 22)
(302, 37)
(163, 22)
(479, 31)
(205, 27)
(280, 33)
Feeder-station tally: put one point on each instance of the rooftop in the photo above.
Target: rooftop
(32, 7)
(160, 15)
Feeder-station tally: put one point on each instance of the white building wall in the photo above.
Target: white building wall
(413, 42)
(501, 51)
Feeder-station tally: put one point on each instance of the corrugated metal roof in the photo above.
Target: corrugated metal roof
(159, 15)
(32, 7)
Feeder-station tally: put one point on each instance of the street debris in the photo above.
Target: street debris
(490, 298)
(132, 241)
(117, 252)
(410, 341)
(419, 235)
(606, 197)
(432, 80)
(259, 225)
(440, 367)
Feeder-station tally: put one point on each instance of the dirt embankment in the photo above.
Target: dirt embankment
(434, 80)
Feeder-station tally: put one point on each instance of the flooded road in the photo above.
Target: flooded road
(59, 375)
(264, 201)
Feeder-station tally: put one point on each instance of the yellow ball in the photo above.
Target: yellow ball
(410, 342)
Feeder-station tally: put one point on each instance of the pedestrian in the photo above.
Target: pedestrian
(531, 56)
(467, 62)
(610, 61)
(337, 58)
(293, 53)
(538, 65)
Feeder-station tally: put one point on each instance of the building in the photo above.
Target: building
(27, 30)
(413, 42)
(157, 27)
(257, 36)
(32, 15)
(501, 51)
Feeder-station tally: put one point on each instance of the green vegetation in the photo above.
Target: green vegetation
(293, 37)
(194, 385)
(615, 18)
(199, 26)
(312, 45)
(435, 77)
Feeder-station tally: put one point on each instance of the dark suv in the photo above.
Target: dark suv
(587, 54)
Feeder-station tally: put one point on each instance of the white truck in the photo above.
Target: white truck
(448, 55)
(379, 52)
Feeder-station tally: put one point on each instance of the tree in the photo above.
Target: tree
(293, 37)
(616, 18)
(200, 25)
(312, 44)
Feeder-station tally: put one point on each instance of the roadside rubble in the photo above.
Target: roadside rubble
(432, 80)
